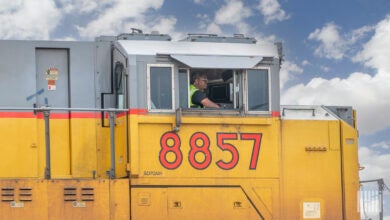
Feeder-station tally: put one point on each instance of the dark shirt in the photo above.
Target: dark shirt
(197, 97)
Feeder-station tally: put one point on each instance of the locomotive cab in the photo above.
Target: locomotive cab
(242, 76)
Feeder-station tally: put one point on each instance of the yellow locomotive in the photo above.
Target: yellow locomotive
(104, 130)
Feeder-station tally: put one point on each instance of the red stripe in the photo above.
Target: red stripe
(138, 111)
(133, 111)
(54, 115)
(17, 115)
(85, 114)
(275, 114)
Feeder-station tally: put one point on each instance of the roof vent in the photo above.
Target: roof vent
(237, 38)
(137, 34)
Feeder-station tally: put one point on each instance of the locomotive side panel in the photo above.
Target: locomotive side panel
(319, 164)
(54, 74)
(350, 169)
(233, 163)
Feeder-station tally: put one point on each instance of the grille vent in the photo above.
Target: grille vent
(25, 194)
(86, 194)
(163, 58)
(7, 194)
(70, 194)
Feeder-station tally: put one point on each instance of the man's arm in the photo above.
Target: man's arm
(206, 102)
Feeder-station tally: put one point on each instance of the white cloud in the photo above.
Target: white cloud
(199, 1)
(368, 94)
(376, 52)
(382, 144)
(213, 28)
(359, 33)
(272, 11)
(234, 12)
(305, 63)
(7, 6)
(288, 71)
(324, 68)
(114, 19)
(331, 43)
(25, 19)
(83, 6)
(376, 164)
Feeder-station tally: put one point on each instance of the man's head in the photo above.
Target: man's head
(199, 80)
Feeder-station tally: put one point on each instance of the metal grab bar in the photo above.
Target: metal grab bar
(62, 109)
(178, 120)
(300, 109)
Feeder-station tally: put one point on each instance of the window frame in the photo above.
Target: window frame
(246, 93)
(149, 66)
(188, 85)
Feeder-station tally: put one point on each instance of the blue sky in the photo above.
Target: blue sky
(336, 52)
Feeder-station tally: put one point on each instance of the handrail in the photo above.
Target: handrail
(62, 109)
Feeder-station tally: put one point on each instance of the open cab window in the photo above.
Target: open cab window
(236, 90)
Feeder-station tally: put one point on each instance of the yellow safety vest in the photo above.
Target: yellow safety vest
(193, 89)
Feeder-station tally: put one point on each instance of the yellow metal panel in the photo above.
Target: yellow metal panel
(350, 170)
(309, 168)
(64, 199)
(209, 203)
(119, 199)
(334, 135)
(265, 195)
(83, 143)
(18, 143)
(155, 152)
(192, 203)
(29, 199)
(121, 146)
(134, 145)
(75, 199)
(149, 203)
(102, 149)
(59, 148)
(196, 152)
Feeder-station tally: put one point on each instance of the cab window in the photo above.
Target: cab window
(119, 79)
(220, 87)
(160, 87)
(231, 89)
(183, 88)
(258, 90)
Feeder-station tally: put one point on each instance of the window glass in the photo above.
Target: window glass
(119, 85)
(258, 93)
(161, 87)
(183, 88)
